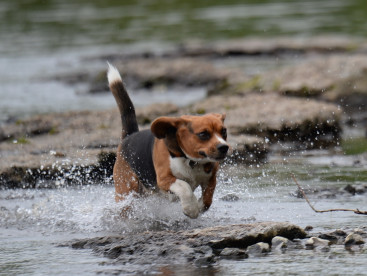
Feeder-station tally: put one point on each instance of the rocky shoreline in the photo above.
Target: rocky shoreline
(206, 247)
(304, 103)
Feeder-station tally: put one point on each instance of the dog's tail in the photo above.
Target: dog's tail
(126, 107)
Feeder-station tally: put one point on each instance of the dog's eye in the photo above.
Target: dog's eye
(204, 135)
(224, 133)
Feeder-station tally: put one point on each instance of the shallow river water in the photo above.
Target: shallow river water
(34, 222)
(41, 39)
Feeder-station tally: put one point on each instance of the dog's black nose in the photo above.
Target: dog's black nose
(222, 148)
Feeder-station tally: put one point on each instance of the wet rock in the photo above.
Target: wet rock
(205, 261)
(80, 122)
(338, 78)
(314, 242)
(52, 176)
(361, 189)
(206, 250)
(271, 46)
(197, 246)
(329, 237)
(360, 231)
(153, 72)
(350, 189)
(241, 236)
(55, 124)
(339, 233)
(279, 242)
(277, 118)
(22, 129)
(233, 253)
(258, 248)
(184, 65)
(353, 239)
(308, 227)
(331, 192)
(248, 149)
(145, 115)
(230, 198)
(355, 189)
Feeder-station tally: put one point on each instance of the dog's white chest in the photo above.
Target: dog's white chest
(194, 175)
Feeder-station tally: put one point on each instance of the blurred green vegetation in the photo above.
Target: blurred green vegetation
(54, 24)
(354, 145)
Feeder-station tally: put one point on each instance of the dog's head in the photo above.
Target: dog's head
(199, 138)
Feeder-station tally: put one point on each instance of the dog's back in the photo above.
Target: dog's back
(137, 150)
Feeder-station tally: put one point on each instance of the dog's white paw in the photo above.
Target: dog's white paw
(191, 208)
(189, 203)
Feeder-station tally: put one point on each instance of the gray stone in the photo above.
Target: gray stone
(361, 189)
(360, 231)
(205, 261)
(314, 242)
(243, 235)
(277, 118)
(279, 242)
(195, 246)
(233, 252)
(330, 237)
(353, 239)
(248, 148)
(161, 72)
(258, 248)
(337, 78)
(272, 46)
(230, 198)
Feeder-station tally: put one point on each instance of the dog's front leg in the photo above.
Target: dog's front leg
(207, 194)
(189, 203)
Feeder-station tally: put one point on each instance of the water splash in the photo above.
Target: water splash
(91, 209)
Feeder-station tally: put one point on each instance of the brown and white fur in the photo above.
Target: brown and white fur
(176, 155)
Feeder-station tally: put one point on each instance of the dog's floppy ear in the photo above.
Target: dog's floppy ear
(221, 116)
(165, 126)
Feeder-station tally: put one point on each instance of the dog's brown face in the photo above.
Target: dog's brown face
(200, 138)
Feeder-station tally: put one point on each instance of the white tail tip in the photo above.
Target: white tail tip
(113, 74)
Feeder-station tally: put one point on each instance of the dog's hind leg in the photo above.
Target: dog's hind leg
(124, 177)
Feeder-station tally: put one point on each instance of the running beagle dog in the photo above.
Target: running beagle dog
(176, 155)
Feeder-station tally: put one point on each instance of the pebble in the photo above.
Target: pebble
(353, 239)
(279, 242)
(230, 198)
(233, 252)
(313, 242)
(329, 237)
(258, 248)
(308, 228)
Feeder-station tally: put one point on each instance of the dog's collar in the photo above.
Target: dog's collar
(208, 167)
(192, 164)
(180, 153)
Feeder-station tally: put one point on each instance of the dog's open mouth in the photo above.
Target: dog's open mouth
(221, 157)
(218, 157)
